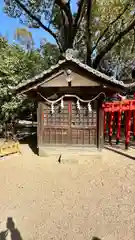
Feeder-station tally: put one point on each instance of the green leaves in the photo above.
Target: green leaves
(24, 37)
(18, 65)
(105, 40)
(14, 68)
(40, 8)
(50, 54)
(110, 22)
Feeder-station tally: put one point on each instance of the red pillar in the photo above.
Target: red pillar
(134, 124)
(118, 128)
(134, 121)
(128, 126)
(111, 127)
(105, 123)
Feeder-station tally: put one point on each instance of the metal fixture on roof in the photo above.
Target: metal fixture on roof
(69, 54)
(69, 75)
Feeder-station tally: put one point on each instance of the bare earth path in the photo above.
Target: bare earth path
(68, 201)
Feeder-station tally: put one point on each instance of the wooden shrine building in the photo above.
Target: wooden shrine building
(69, 96)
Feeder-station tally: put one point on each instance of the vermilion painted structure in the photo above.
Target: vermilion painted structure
(126, 106)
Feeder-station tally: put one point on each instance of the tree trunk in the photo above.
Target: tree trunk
(88, 32)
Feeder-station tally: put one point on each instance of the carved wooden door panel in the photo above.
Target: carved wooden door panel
(84, 124)
(56, 125)
(68, 125)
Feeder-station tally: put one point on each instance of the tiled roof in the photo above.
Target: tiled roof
(69, 58)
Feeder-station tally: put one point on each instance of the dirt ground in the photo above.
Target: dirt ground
(68, 201)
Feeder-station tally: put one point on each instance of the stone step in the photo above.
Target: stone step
(79, 159)
(73, 151)
(70, 155)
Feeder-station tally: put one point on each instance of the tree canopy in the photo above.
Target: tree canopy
(18, 65)
(24, 37)
(99, 30)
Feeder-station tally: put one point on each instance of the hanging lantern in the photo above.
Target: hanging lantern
(78, 105)
(89, 107)
(52, 108)
(62, 103)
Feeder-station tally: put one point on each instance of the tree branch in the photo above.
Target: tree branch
(112, 43)
(65, 6)
(89, 33)
(51, 15)
(132, 48)
(22, 6)
(111, 23)
(65, 36)
(77, 41)
(79, 16)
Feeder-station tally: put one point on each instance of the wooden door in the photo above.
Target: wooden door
(84, 125)
(68, 125)
(56, 125)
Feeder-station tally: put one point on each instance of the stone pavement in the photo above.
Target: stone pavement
(78, 200)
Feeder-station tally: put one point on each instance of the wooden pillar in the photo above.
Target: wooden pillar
(39, 124)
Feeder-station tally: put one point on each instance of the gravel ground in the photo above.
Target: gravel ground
(68, 201)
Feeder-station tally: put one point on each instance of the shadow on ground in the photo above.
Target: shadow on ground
(95, 238)
(11, 230)
(14, 232)
(31, 141)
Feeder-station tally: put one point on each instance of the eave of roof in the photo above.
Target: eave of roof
(69, 58)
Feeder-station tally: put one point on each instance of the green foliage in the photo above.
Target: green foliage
(40, 8)
(109, 19)
(16, 66)
(50, 53)
(99, 34)
(24, 37)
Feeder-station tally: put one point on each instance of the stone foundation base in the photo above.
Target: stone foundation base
(69, 154)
